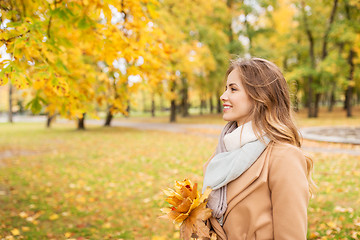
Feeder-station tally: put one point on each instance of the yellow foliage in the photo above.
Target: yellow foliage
(188, 208)
(53, 217)
(15, 232)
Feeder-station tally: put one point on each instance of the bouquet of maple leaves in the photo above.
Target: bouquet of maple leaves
(188, 208)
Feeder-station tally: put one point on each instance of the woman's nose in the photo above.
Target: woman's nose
(223, 97)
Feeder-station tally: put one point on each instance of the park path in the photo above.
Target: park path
(200, 129)
(326, 134)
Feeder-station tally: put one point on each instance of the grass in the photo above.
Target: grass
(97, 184)
(105, 183)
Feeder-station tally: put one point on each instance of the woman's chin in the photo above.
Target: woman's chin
(226, 118)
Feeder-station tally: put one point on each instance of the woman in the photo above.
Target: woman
(259, 175)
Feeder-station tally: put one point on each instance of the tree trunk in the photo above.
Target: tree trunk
(296, 104)
(326, 35)
(173, 104)
(211, 105)
(350, 61)
(348, 93)
(81, 122)
(162, 107)
(332, 100)
(311, 111)
(310, 103)
(128, 109)
(349, 89)
(173, 111)
(229, 4)
(325, 53)
(345, 101)
(10, 103)
(153, 106)
(219, 104)
(50, 119)
(296, 99)
(21, 106)
(202, 106)
(109, 117)
(184, 96)
(316, 108)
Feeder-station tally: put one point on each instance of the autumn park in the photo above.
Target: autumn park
(105, 103)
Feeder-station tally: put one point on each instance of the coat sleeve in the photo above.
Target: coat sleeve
(289, 193)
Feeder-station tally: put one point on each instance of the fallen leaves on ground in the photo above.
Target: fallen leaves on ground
(107, 184)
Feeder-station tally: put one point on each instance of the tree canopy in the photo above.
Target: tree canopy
(77, 56)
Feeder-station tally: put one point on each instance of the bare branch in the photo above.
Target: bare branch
(4, 8)
(326, 35)
(10, 39)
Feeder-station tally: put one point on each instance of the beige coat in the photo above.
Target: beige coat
(269, 200)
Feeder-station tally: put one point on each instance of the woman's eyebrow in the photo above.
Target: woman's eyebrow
(232, 84)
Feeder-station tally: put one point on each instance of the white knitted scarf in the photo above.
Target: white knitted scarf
(237, 150)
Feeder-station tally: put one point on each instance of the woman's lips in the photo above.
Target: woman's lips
(227, 107)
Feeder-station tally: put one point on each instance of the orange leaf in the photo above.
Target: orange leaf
(184, 206)
(194, 224)
(173, 200)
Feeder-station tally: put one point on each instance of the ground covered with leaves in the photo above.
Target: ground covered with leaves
(103, 183)
(106, 183)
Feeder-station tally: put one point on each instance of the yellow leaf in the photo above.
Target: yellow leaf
(158, 238)
(188, 208)
(23, 215)
(106, 225)
(165, 210)
(15, 232)
(176, 235)
(25, 229)
(213, 236)
(331, 224)
(205, 194)
(54, 217)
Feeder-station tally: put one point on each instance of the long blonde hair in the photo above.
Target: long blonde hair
(271, 112)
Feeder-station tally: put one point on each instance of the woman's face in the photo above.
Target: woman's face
(237, 103)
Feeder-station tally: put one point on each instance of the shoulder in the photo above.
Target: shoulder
(287, 169)
(284, 155)
(280, 148)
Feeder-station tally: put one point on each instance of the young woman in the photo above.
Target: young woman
(259, 175)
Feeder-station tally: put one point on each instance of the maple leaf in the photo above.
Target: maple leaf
(194, 225)
(188, 209)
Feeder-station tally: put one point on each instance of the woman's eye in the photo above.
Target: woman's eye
(233, 89)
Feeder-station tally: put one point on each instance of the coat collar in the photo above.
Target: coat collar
(240, 188)
(221, 235)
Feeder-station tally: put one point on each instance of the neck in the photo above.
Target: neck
(239, 123)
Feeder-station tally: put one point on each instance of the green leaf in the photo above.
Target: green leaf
(60, 13)
(69, 12)
(83, 23)
(54, 81)
(43, 101)
(34, 105)
(61, 65)
(13, 24)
